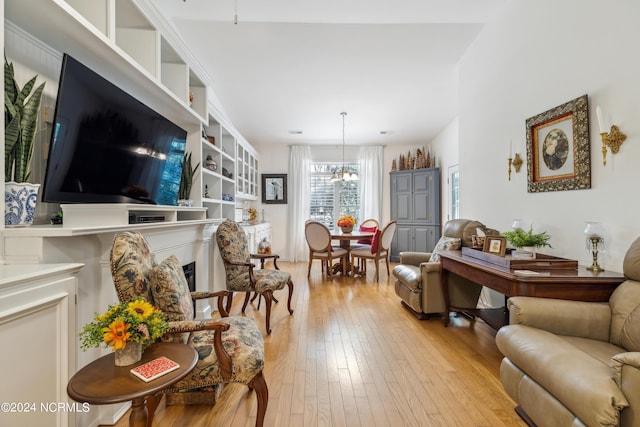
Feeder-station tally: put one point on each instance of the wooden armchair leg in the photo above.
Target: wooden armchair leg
(290, 284)
(268, 296)
(259, 385)
(247, 295)
(260, 299)
(229, 302)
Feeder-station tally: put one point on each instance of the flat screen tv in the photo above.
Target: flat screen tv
(108, 147)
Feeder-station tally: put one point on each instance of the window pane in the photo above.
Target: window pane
(330, 200)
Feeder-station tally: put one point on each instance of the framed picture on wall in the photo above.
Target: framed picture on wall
(274, 188)
(558, 149)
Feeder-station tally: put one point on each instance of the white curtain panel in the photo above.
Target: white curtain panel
(299, 189)
(371, 164)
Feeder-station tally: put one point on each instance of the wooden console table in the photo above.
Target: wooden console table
(577, 284)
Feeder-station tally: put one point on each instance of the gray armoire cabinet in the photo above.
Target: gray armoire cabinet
(415, 205)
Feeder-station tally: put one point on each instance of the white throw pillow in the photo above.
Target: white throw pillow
(445, 244)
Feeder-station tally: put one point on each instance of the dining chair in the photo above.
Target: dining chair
(240, 273)
(368, 225)
(379, 249)
(319, 241)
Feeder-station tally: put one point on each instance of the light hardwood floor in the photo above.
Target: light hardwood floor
(351, 355)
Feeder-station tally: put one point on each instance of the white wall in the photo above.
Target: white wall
(533, 56)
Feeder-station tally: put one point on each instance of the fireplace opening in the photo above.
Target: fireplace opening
(190, 274)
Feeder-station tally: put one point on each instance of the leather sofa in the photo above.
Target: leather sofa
(418, 279)
(571, 363)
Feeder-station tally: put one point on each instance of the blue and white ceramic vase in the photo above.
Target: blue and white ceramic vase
(19, 203)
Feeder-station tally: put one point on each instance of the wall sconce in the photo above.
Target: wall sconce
(612, 139)
(594, 232)
(516, 161)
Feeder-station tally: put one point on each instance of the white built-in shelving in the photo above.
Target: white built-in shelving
(128, 43)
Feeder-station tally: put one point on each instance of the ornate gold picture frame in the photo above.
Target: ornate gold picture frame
(558, 149)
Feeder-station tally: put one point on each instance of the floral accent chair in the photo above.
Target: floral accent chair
(240, 273)
(230, 349)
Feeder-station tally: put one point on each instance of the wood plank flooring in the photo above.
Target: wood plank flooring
(351, 355)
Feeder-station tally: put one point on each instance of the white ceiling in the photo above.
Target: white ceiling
(295, 65)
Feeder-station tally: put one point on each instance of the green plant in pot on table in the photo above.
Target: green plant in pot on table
(526, 239)
(21, 108)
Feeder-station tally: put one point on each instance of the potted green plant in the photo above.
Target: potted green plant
(21, 108)
(529, 240)
(186, 181)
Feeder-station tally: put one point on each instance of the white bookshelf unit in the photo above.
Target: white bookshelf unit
(126, 42)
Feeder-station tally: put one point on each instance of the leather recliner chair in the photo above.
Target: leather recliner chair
(574, 363)
(418, 279)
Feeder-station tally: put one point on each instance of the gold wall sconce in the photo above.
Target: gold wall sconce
(516, 162)
(612, 139)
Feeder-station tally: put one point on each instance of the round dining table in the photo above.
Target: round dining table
(345, 243)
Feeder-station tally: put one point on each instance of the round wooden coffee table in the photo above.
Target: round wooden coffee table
(102, 382)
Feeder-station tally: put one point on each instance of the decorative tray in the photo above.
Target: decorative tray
(540, 262)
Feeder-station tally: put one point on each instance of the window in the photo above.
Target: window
(454, 192)
(330, 200)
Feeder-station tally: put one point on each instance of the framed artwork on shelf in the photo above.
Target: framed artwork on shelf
(496, 245)
(558, 149)
(274, 188)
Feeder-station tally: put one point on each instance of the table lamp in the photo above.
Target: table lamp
(594, 233)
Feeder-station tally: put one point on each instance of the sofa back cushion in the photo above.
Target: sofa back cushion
(631, 262)
(625, 303)
(625, 316)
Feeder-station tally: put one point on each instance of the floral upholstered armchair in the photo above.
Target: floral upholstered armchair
(240, 273)
(230, 349)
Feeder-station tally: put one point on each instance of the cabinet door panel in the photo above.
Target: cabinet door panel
(402, 241)
(425, 238)
(421, 182)
(403, 183)
(404, 205)
(421, 206)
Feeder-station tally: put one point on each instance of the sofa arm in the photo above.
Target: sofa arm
(414, 258)
(562, 317)
(626, 373)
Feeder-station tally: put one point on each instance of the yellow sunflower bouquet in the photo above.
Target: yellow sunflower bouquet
(133, 321)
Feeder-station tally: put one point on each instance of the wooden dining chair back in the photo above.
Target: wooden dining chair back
(379, 249)
(318, 239)
(370, 223)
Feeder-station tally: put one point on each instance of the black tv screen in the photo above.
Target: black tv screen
(108, 147)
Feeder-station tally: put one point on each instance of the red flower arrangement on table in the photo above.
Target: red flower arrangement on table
(346, 221)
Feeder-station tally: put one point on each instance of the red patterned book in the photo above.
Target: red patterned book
(154, 368)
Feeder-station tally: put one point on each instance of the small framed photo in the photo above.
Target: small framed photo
(496, 245)
(274, 188)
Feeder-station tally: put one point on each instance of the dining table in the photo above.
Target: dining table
(345, 240)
